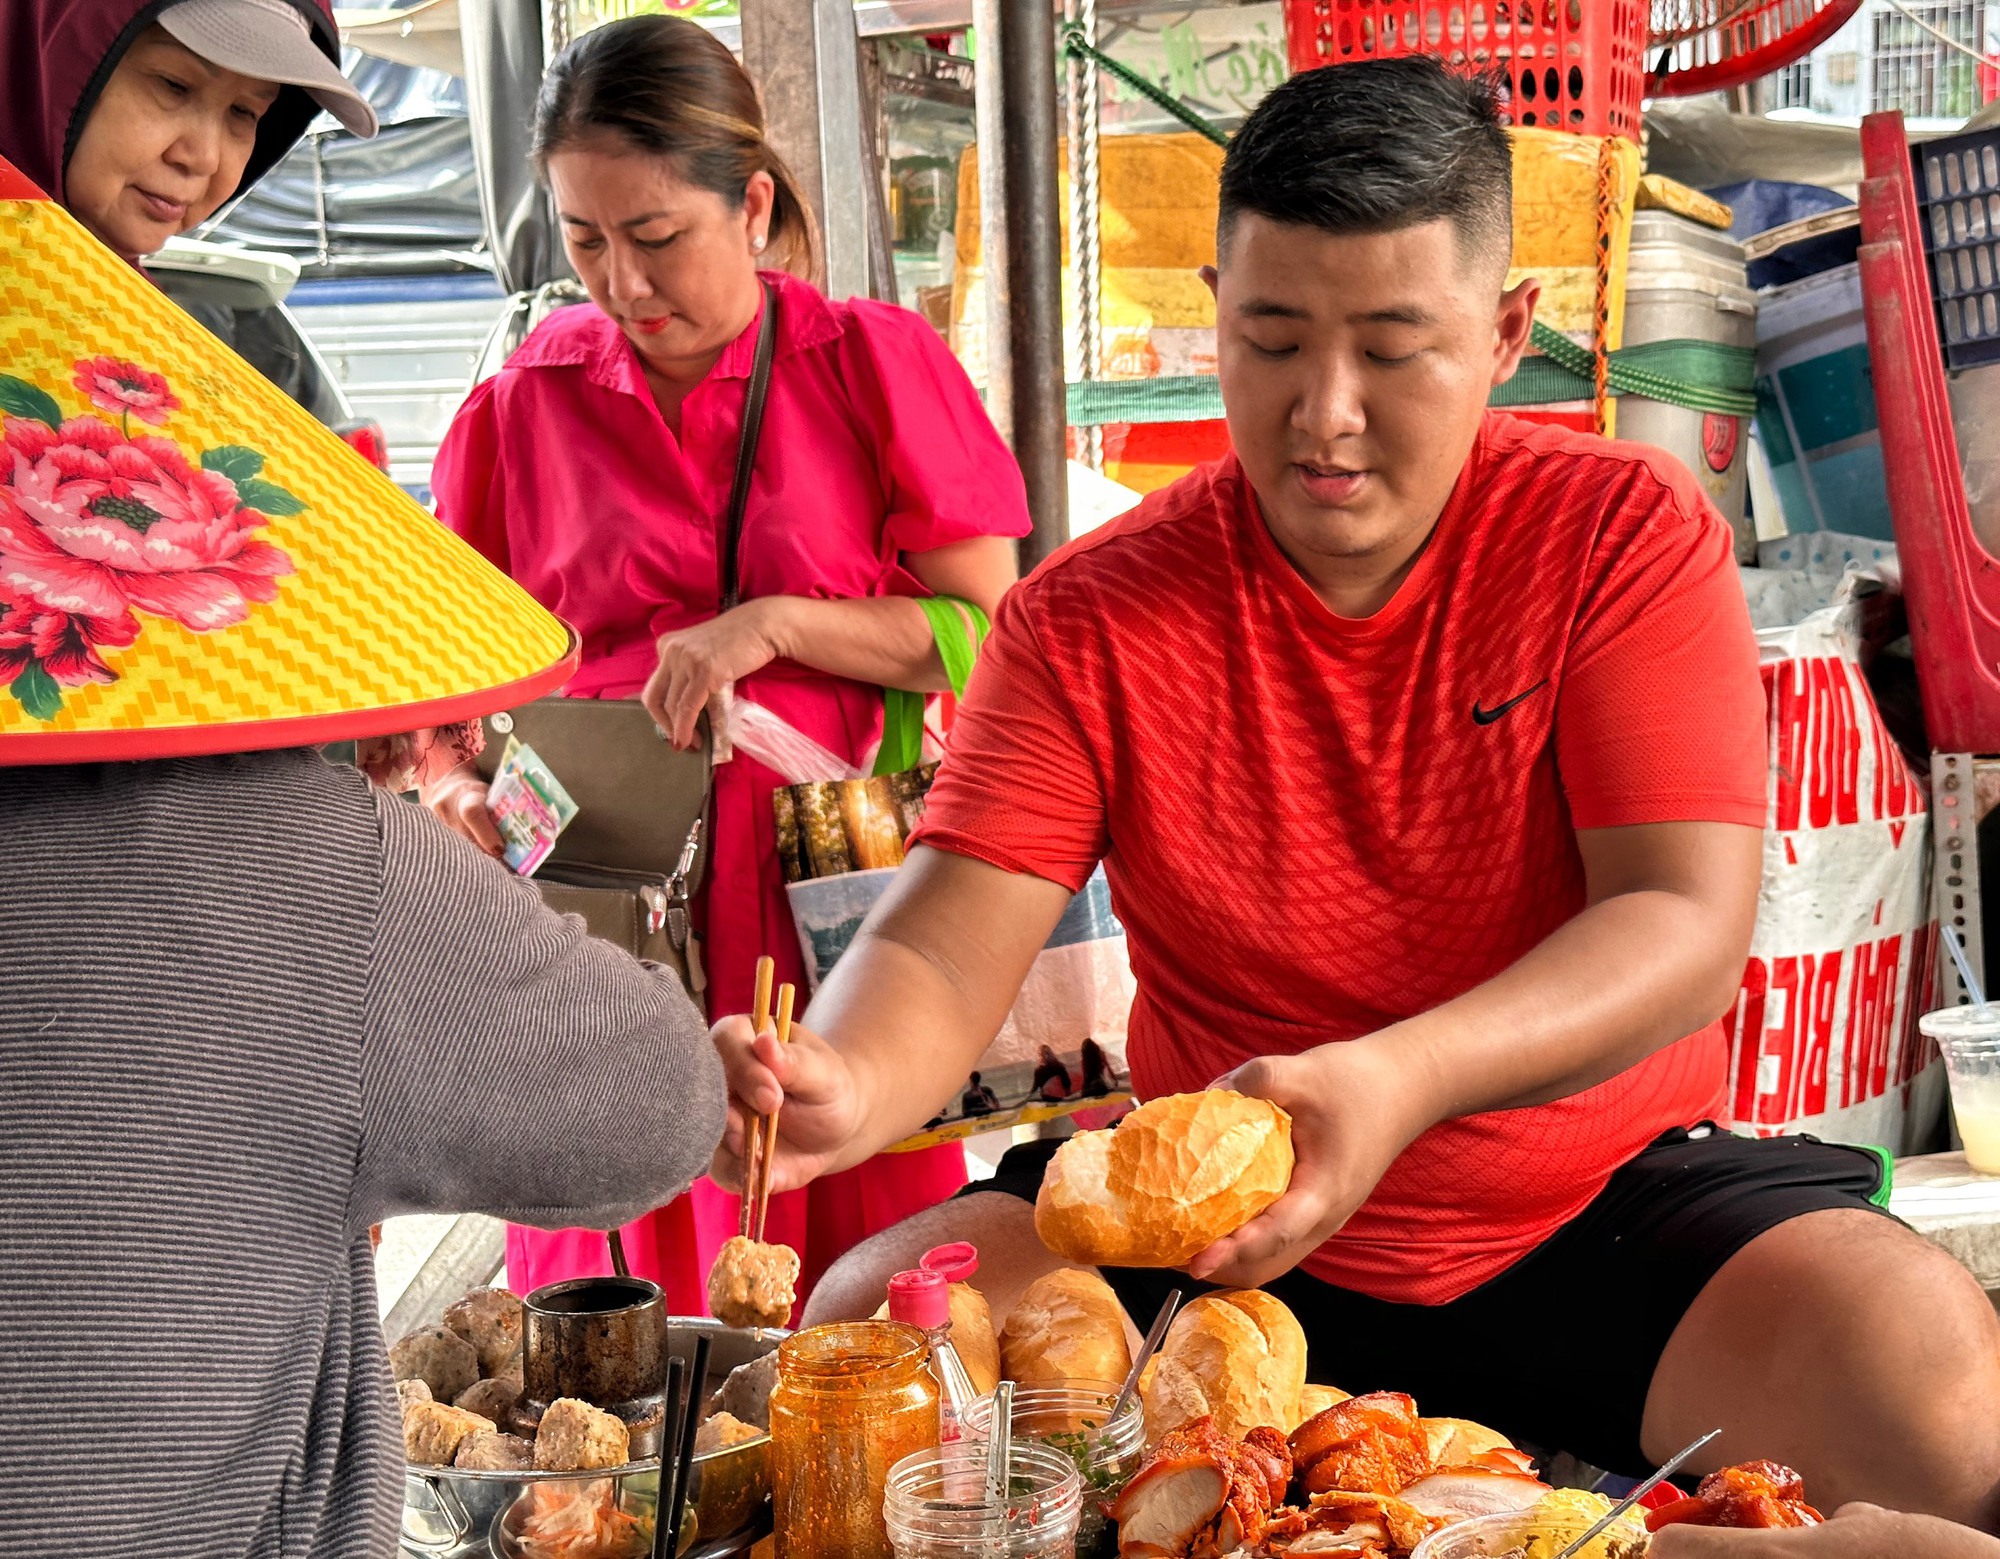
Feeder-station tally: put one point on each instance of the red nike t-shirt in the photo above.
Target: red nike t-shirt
(1309, 832)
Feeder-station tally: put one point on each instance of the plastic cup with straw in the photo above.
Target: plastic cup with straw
(1969, 1040)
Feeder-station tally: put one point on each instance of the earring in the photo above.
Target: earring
(757, 244)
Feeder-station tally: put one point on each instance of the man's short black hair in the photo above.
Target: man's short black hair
(1372, 147)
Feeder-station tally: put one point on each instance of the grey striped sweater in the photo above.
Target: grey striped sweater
(248, 1008)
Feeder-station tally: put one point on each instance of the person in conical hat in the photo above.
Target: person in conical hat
(143, 119)
(250, 1006)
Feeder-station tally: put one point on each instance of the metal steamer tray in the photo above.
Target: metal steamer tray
(453, 1513)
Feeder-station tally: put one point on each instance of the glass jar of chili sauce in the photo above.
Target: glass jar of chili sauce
(853, 1398)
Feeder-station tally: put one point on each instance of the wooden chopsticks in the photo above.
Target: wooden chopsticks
(760, 1132)
(786, 995)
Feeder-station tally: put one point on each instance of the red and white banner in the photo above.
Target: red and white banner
(1824, 1034)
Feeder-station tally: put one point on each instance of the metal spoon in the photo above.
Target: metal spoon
(1146, 1350)
(1000, 1451)
(1625, 1504)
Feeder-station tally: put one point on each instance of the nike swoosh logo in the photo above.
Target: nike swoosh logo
(1488, 716)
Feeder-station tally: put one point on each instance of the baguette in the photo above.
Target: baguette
(1314, 1400)
(1456, 1442)
(1238, 1357)
(1067, 1327)
(1174, 1176)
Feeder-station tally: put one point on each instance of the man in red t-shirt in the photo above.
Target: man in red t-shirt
(1424, 751)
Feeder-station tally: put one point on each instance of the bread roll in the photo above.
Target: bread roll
(1317, 1399)
(971, 1334)
(1171, 1179)
(1067, 1326)
(1238, 1357)
(1454, 1442)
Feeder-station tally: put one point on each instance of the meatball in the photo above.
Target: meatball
(746, 1394)
(408, 1391)
(441, 1359)
(433, 1432)
(753, 1284)
(576, 1437)
(490, 1398)
(488, 1450)
(721, 1432)
(489, 1319)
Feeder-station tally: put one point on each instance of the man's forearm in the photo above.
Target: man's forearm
(915, 1001)
(1625, 978)
(907, 1033)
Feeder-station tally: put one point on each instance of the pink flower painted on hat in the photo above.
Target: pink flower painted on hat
(66, 646)
(125, 389)
(97, 526)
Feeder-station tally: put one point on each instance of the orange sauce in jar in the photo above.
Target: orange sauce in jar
(853, 1398)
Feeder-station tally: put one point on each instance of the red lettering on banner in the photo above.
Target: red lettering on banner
(1792, 1053)
(1820, 762)
(1871, 1021)
(1845, 740)
(1779, 1040)
(1791, 712)
(1823, 721)
(1746, 1036)
(1897, 793)
(1818, 1040)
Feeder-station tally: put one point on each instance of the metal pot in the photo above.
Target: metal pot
(603, 1340)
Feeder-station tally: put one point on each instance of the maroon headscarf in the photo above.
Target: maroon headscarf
(56, 55)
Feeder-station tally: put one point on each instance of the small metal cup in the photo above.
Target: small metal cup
(603, 1340)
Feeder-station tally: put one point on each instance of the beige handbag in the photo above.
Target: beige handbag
(631, 858)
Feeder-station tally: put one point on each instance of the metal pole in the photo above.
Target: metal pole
(988, 94)
(843, 179)
(1085, 256)
(1034, 264)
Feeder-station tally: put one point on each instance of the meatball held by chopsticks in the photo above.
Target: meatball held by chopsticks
(754, 1284)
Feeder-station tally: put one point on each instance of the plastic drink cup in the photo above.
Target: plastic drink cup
(1969, 1040)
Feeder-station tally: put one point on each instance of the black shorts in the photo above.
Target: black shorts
(1559, 1350)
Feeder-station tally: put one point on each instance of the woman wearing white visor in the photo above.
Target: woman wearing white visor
(143, 119)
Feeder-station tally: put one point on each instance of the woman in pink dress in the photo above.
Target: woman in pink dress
(596, 468)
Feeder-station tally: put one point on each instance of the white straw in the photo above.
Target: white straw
(1951, 940)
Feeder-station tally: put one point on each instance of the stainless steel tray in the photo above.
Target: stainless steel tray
(451, 1513)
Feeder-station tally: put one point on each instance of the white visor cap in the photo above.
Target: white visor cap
(271, 41)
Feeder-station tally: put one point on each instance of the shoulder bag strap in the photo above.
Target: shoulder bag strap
(754, 398)
(746, 449)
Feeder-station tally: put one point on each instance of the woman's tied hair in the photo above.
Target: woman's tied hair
(1373, 147)
(667, 87)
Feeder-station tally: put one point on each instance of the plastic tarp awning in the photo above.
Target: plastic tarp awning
(407, 200)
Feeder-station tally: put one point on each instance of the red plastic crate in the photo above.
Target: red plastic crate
(1576, 65)
(1951, 584)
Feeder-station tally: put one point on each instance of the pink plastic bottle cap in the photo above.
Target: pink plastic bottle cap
(920, 1299)
(957, 1262)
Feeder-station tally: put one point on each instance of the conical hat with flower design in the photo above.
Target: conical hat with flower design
(189, 562)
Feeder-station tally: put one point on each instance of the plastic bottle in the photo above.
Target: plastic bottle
(921, 1298)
